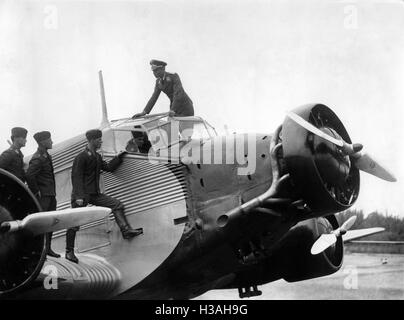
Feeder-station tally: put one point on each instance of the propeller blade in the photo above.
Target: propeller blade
(359, 233)
(346, 148)
(346, 225)
(361, 159)
(324, 242)
(309, 127)
(50, 221)
(365, 163)
(327, 240)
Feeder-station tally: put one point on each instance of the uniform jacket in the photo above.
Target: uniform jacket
(86, 173)
(12, 160)
(40, 175)
(171, 85)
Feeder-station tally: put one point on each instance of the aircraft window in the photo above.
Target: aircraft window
(158, 133)
(200, 131)
(138, 143)
(132, 142)
(170, 132)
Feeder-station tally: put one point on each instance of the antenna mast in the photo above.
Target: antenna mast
(104, 121)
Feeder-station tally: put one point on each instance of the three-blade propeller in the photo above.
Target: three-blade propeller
(50, 221)
(327, 240)
(360, 159)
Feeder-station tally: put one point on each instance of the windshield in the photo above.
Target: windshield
(142, 136)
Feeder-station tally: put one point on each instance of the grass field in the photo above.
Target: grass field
(362, 277)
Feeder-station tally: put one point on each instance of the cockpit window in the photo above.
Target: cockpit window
(151, 134)
(135, 142)
(138, 143)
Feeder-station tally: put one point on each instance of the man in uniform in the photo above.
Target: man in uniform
(170, 83)
(85, 180)
(41, 179)
(139, 142)
(12, 159)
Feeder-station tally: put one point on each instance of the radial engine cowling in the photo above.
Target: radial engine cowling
(320, 174)
(294, 259)
(21, 255)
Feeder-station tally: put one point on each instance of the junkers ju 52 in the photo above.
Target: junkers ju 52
(207, 223)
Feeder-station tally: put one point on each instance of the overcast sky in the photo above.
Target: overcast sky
(243, 63)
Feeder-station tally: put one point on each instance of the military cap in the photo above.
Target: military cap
(93, 134)
(19, 132)
(155, 64)
(137, 134)
(42, 135)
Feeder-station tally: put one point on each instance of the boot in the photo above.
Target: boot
(70, 238)
(71, 256)
(49, 250)
(127, 231)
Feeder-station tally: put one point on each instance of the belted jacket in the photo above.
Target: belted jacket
(86, 172)
(171, 85)
(40, 175)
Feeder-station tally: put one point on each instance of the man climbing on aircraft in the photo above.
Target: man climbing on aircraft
(170, 83)
(12, 159)
(41, 179)
(85, 181)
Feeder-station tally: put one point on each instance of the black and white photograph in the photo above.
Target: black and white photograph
(201, 150)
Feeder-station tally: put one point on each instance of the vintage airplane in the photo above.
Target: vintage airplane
(206, 224)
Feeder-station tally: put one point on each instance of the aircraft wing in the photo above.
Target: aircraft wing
(359, 233)
(50, 221)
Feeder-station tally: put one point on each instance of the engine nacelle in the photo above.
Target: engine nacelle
(295, 261)
(21, 255)
(292, 259)
(320, 174)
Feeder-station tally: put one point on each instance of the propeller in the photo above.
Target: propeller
(327, 240)
(360, 159)
(50, 221)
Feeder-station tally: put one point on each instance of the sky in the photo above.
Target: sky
(243, 63)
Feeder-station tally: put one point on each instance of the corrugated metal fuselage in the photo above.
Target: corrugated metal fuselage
(182, 252)
(205, 258)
